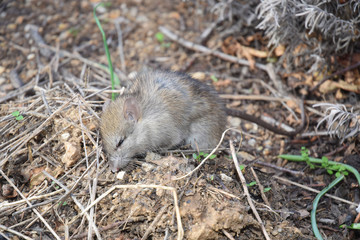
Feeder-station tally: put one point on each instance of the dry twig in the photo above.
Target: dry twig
(29, 203)
(172, 189)
(246, 191)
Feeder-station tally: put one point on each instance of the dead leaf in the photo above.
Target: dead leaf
(175, 15)
(292, 104)
(327, 86)
(339, 94)
(246, 156)
(115, 14)
(222, 83)
(198, 75)
(279, 50)
(7, 191)
(37, 177)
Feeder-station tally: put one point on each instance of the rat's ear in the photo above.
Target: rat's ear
(131, 109)
(106, 104)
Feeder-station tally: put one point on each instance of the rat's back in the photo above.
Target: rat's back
(193, 106)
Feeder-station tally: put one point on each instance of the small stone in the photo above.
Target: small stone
(75, 62)
(268, 143)
(72, 154)
(234, 121)
(266, 152)
(30, 56)
(225, 178)
(120, 175)
(252, 142)
(2, 69)
(198, 75)
(147, 167)
(2, 80)
(11, 26)
(139, 44)
(151, 156)
(65, 136)
(19, 20)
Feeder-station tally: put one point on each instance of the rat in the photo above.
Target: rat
(163, 109)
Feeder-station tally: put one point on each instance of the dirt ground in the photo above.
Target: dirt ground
(53, 85)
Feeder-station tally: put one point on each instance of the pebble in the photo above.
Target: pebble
(120, 175)
(11, 26)
(2, 80)
(30, 56)
(2, 69)
(252, 142)
(234, 121)
(225, 178)
(65, 136)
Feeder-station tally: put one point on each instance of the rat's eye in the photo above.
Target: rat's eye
(120, 142)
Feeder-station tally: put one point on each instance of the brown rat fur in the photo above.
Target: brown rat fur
(162, 109)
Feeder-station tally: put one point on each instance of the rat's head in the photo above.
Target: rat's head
(118, 121)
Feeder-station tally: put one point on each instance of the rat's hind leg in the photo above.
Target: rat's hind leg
(204, 135)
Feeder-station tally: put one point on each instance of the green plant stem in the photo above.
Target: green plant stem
(316, 202)
(298, 158)
(113, 95)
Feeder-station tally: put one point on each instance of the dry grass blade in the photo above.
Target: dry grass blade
(340, 121)
(4, 228)
(34, 210)
(246, 191)
(173, 190)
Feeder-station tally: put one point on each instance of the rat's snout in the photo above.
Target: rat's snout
(116, 163)
(113, 168)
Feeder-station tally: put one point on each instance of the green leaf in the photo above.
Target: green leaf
(74, 31)
(19, 118)
(212, 156)
(251, 184)
(352, 226)
(271, 60)
(267, 189)
(15, 114)
(215, 79)
(242, 167)
(165, 45)
(195, 156)
(160, 37)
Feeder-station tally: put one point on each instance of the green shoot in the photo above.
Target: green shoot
(253, 183)
(267, 189)
(215, 79)
(242, 167)
(340, 169)
(202, 155)
(17, 115)
(74, 31)
(161, 39)
(351, 226)
(330, 166)
(113, 95)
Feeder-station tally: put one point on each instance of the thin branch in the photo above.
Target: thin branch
(246, 191)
